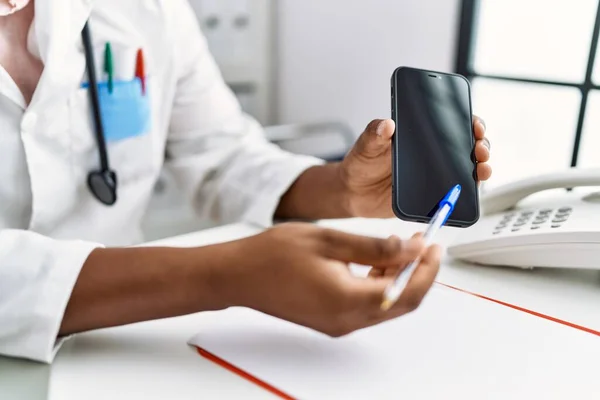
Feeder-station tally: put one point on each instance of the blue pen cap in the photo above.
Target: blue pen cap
(450, 199)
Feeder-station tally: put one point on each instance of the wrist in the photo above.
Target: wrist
(335, 197)
(221, 275)
(345, 191)
(319, 193)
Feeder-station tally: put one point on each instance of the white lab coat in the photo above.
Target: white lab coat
(49, 221)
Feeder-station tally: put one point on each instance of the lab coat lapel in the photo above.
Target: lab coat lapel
(58, 26)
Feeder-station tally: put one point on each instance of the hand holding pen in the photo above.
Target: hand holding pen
(446, 206)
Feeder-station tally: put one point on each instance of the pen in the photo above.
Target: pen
(108, 66)
(140, 70)
(445, 208)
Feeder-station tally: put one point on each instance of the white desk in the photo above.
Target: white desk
(152, 361)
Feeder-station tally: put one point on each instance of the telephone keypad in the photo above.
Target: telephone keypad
(505, 222)
(535, 220)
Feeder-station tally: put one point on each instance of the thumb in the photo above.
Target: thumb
(376, 139)
(369, 294)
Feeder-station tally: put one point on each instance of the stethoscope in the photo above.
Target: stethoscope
(103, 182)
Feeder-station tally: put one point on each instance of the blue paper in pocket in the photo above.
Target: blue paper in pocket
(126, 111)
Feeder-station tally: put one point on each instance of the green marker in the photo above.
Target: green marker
(108, 66)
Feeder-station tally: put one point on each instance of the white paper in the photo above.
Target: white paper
(455, 346)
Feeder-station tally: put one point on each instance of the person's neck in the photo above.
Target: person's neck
(15, 57)
(15, 27)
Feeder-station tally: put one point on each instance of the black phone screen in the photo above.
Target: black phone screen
(433, 145)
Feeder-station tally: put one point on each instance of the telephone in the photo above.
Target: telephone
(563, 232)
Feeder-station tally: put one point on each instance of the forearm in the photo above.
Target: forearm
(122, 286)
(317, 194)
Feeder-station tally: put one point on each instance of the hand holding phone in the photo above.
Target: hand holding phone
(433, 146)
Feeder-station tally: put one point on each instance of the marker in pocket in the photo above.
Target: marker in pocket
(140, 69)
(108, 66)
(124, 105)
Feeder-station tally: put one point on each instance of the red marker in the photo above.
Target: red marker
(140, 70)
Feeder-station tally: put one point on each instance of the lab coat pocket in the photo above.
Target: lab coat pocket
(125, 110)
(126, 115)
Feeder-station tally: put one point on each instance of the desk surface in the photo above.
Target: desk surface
(152, 361)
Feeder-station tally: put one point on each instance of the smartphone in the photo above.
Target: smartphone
(433, 146)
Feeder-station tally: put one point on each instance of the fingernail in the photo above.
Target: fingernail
(482, 123)
(487, 144)
(381, 127)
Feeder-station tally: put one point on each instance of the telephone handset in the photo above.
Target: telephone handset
(561, 233)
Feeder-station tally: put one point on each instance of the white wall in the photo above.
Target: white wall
(336, 56)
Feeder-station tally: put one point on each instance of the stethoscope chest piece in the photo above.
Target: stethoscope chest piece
(103, 185)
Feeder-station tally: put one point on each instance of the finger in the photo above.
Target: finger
(368, 294)
(419, 283)
(365, 295)
(482, 153)
(478, 128)
(365, 250)
(391, 270)
(486, 143)
(376, 139)
(484, 171)
(388, 271)
(376, 272)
